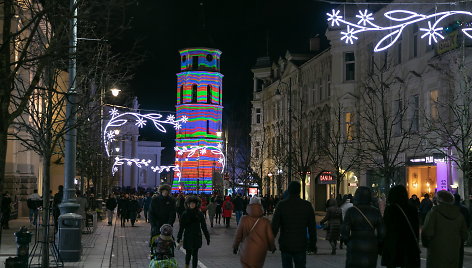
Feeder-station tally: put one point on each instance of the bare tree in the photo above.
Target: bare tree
(382, 131)
(341, 152)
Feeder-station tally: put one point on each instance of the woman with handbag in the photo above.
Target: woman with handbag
(254, 236)
(362, 230)
(402, 228)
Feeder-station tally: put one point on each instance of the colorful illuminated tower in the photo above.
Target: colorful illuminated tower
(199, 98)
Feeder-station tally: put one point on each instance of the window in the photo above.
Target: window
(194, 93)
(349, 66)
(181, 94)
(320, 83)
(209, 57)
(349, 126)
(258, 115)
(372, 58)
(195, 62)
(434, 104)
(256, 153)
(184, 58)
(415, 119)
(219, 96)
(208, 126)
(398, 126)
(209, 94)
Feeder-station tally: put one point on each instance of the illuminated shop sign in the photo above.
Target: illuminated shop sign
(433, 159)
(326, 177)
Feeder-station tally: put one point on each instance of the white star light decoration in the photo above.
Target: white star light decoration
(192, 150)
(119, 119)
(400, 19)
(119, 161)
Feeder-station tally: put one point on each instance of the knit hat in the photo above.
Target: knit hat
(445, 197)
(255, 200)
(193, 199)
(166, 229)
(294, 188)
(164, 187)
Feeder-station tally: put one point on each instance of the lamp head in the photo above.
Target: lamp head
(115, 91)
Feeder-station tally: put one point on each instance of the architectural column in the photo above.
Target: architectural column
(134, 154)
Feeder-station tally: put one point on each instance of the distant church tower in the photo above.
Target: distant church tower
(199, 98)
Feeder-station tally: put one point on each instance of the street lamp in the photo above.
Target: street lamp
(115, 92)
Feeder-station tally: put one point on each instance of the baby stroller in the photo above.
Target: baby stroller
(162, 249)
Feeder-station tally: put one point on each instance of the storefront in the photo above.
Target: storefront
(325, 188)
(428, 174)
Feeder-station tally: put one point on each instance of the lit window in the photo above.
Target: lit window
(349, 126)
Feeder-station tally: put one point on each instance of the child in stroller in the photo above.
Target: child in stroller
(162, 249)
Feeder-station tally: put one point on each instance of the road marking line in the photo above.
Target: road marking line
(200, 264)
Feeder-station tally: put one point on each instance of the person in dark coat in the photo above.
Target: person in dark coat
(6, 210)
(134, 207)
(425, 206)
(402, 229)
(362, 230)
(57, 200)
(124, 207)
(238, 208)
(146, 204)
(192, 225)
(465, 212)
(293, 216)
(110, 206)
(219, 209)
(415, 202)
(180, 205)
(162, 210)
(334, 217)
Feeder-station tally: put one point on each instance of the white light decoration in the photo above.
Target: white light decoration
(119, 119)
(191, 150)
(399, 20)
(119, 161)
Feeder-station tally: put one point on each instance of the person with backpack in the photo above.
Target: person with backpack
(254, 236)
(228, 208)
(192, 225)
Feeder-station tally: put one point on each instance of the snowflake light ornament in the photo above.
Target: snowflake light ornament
(431, 32)
(170, 117)
(348, 36)
(364, 17)
(140, 123)
(334, 17)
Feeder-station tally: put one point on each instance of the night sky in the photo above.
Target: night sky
(242, 30)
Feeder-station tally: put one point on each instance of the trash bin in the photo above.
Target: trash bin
(70, 237)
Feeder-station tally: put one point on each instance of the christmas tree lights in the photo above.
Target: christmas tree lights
(399, 20)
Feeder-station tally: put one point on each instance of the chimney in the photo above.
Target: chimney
(315, 44)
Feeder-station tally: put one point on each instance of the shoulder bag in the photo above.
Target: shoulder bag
(411, 227)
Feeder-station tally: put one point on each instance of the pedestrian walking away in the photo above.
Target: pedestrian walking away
(443, 233)
(346, 203)
(162, 210)
(362, 230)
(425, 206)
(219, 209)
(228, 208)
(465, 212)
(134, 209)
(294, 216)
(238, 208)
(192, 225)
(211, 211)
(6, 210)
(110, 206)
(34, 202)
(334, 218)
(124, 207)
(146, 205)
(401, 221)
(254, 236)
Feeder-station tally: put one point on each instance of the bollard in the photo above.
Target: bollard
(23, 238)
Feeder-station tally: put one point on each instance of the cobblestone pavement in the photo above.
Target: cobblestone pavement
(131, 249)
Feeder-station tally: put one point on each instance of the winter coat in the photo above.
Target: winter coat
(180, 205)
(192, 223)
(425, 206)
(362, 241)
(293, 216)
(443, 233)
(147, 202)
(238, 204)
(161, 211)
(211, 209)
(123, 207)
(344, 207)
(219, 204)
(111, 204)
(133, 209)
(203, 206)
(253, 245)
(400, 246)
(334, 217)
(227, 212)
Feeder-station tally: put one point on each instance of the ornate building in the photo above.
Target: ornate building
(199, 98)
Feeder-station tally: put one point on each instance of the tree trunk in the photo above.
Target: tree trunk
(46, 222)
(303, 184)
(3, 155)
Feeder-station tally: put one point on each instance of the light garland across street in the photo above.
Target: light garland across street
(400, 20)
(202, 149)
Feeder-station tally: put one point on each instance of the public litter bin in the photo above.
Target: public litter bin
(70, 237)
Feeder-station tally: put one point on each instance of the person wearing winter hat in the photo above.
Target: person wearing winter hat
(192, 224)
(228, 208)
(162, 248)
(444, 225)
(162, 210)
(254, 236)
